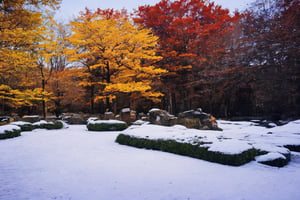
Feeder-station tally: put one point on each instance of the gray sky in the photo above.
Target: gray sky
(71, 8)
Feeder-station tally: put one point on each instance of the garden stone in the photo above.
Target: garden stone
(162, 117)
(198, 119)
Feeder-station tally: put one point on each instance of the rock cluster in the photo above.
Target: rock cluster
(191, 119)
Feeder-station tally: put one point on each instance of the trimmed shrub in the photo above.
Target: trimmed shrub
(186, 149)
(51, 125)
(106, 125)
(10, 133)
(25, 126)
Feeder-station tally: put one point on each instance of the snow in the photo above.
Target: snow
(125, 110)
(110, 121)
(139, 122)
(41, 122)
(92, 119)
(31, 116)
(10, 128)
(230, 146)
(65, 125)
(269, 157)
(154, 110)
(77, 164)
(20, 123)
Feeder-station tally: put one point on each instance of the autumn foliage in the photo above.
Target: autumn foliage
(177, 55)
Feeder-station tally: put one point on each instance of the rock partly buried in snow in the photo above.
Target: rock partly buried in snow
(127, 115)
(161, 117)
(109, 115)
(273, 159)
(31, 118)
(72, 118)
(106, 125)
(198, 119)
(139, 122)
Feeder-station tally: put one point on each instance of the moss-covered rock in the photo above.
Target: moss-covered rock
(190, 150)
(106, 125)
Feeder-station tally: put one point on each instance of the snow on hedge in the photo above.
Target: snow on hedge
(20, 123)
(235, 138)
(39, 123)
(8, 128)
(230, 146)
(110, 121)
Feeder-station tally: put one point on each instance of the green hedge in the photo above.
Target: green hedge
(30, 127)
(190, 150)
(106, 126)
(10, 134)
(26, 127)
(47, 125)
(50, 125)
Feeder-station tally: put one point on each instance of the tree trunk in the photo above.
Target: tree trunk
(92, 99)
(108, 106)
(43, 101)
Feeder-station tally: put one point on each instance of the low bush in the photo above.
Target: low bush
(25, 126)
(106, 125)
(50, 125)
(186, 149)
(10, 133)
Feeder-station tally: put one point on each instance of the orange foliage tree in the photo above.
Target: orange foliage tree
(21, 29)
(117, 56)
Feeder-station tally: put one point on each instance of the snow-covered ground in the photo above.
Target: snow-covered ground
(75, 164)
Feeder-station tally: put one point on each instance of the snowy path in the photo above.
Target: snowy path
(74, 164)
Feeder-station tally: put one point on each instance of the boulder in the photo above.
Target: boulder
(161, 117)
(5, 120)
(127, 115)
(198, 119)
(72, 118)
(31, 118)
(109, 115)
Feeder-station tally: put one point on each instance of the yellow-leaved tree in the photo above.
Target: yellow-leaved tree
(21, 27)
(118, 56)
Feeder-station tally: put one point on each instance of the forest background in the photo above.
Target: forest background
(175, 55)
